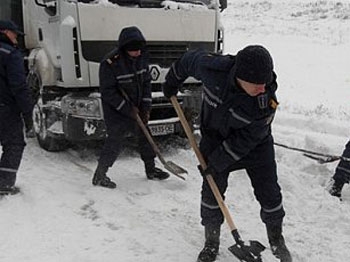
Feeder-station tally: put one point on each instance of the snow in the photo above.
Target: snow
(167, 4)
(61, 217)
(184, 6)
(104, 3)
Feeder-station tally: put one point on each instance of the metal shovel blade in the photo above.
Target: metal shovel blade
(250, 253)
(175, 169)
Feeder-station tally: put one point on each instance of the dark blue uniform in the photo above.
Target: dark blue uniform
(236, 132)
(15, 103)
(342, 172)
(120, 72)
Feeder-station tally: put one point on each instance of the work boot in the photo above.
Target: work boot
(156, 173)
(211, 246)
(8, 190)
(334, 187)
(100, 178)
(277, 244)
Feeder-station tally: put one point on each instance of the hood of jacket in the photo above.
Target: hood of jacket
(128, 35)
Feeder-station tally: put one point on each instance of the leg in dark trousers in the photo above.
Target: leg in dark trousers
(145, 149)
(268, 193)
(147, 155)
(12, 142)
(212, 217)
(210, 210)
(110, 152)
(342, 173)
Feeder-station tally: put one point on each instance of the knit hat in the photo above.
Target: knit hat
(254, 65)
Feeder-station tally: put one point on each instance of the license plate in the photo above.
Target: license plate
(163, 129)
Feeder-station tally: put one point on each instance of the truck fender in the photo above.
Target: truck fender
(40, 64)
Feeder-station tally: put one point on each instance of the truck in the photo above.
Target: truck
(65, 40)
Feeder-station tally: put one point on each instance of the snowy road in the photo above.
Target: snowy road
(61, 217)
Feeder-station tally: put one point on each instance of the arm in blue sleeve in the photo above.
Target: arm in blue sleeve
(17, 83)
(147, 92)
(109, 90)
(188, 65)
(238, 144)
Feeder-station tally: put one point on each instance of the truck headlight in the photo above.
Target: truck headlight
(82, 107)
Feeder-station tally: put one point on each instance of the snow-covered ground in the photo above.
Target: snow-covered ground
(61, 217)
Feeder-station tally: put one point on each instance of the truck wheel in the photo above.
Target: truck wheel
(41, 123)
(33, 81)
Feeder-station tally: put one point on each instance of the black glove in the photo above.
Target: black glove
(169, 91)
(208, 171)
(144, 115)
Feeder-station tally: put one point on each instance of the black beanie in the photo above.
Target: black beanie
(254, 65)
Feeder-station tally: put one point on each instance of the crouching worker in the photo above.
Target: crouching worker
(341, 175)
(239, 104)
(125, 71)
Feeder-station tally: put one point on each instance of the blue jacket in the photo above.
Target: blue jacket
(14, 91)
(119, 72)
(233, 123)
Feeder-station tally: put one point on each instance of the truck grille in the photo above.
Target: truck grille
(163, 109)
(165, 55)
(161, 53)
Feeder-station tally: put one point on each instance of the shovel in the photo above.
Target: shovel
(169, 165)
(247, 253)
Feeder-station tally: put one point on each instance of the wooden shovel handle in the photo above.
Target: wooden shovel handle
(149, 138)
(203, 164)
(145, 131)
(174, 169)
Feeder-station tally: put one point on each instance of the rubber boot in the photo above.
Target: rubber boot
(211, 246)
(335, 187)
(153, 172)
(100, 178)
(277, 243)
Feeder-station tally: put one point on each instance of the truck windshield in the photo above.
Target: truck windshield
(147, 3)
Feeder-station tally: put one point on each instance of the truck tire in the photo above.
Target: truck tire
(34, 84)
(45, 139)
(40, 121)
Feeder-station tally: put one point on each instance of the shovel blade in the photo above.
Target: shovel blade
(250, 253)
(175, 169)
